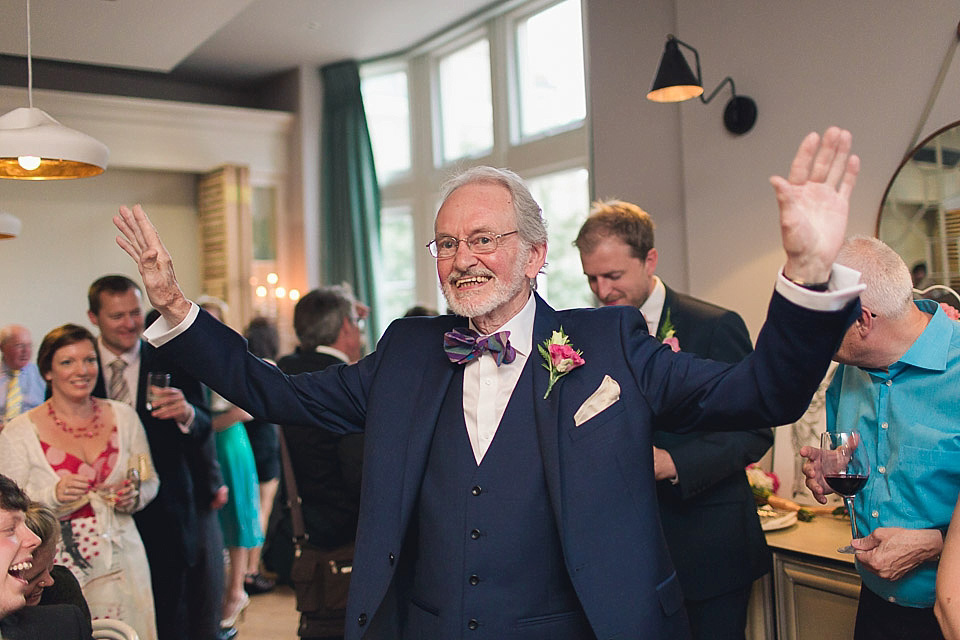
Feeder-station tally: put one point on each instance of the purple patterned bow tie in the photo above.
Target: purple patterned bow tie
(464, 345)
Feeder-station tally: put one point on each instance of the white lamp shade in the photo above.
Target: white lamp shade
(10, 225)
(64, 153)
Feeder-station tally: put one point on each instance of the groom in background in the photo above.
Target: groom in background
(701, 485)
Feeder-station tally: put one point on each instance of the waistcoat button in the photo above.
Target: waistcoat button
(473, 624)
(474, 579)
(475, 534)
(392, 558)
(476, 491)
(362, 619)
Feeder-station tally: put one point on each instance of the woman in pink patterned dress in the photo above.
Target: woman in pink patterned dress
(73, 453)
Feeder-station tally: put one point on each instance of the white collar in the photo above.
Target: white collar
(520, 327)
(330, 351)
(652, 308)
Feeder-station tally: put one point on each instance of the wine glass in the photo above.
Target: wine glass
(846, 467)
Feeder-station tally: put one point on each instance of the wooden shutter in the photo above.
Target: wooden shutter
(226, 243)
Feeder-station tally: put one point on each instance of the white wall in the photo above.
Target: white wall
(866, 66)
(635, 142)
(157, 148)
(68, 241)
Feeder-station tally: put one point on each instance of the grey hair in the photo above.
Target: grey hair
(889, 291)
(530, 224)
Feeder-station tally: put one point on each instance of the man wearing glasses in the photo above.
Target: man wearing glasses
(508, 490)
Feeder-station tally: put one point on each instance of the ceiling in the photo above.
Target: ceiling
(229, 40)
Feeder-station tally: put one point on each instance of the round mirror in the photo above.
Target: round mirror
(920, 214)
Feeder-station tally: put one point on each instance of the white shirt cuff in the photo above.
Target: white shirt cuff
(160, 332)
(844, 286)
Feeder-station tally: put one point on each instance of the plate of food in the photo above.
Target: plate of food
(772, 520)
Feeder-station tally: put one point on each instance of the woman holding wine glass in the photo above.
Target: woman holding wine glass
(88, 460)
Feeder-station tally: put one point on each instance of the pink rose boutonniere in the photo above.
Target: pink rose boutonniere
(561, 358)
(667, 334)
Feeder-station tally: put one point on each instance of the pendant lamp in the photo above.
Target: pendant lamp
(675, 82)
(10, 225)
(34, 146)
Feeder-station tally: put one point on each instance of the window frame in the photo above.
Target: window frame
(564, 148)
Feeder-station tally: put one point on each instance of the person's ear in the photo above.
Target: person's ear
(651, 261)
(865, 321)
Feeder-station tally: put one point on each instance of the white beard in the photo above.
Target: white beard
(472, 304)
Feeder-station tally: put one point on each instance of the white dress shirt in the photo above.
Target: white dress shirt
(652, 308)
(131, 374)
(487, 388)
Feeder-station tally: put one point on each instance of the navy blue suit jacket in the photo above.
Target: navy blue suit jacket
(599, 475)
(713, 493)
(186, 464)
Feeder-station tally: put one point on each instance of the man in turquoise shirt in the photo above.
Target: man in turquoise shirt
(898, 385)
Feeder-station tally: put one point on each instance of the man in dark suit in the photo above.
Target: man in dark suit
(701, 485)
(327, 466)
(518, 502)
(179, 528)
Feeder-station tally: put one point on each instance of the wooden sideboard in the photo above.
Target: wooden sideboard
(813, 590)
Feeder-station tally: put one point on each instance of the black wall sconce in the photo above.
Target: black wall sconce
(675, 82)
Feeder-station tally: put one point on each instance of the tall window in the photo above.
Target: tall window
(398, 279)
(550, 81)
(466, 108)
(565, 199)
(505, 89)
(387, 108)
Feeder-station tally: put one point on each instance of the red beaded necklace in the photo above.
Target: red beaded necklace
(90, 430)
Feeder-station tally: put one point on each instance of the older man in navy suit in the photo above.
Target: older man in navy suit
(513, 497)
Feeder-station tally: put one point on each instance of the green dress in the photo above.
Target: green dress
(240, 517)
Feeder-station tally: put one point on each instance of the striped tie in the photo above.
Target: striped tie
(14, 397)
(119, 390)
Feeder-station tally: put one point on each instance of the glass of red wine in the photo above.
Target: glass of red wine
(846, 467)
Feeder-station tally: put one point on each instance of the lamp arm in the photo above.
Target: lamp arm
(696, 57)
(719, 86)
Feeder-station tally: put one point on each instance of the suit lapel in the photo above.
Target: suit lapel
(546, 411)
(422, 419)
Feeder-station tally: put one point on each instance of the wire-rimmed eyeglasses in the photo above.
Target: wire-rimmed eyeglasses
(483, 242)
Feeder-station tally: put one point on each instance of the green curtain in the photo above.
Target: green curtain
(350, 194)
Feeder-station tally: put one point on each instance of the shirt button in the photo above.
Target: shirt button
(475, 534)
(891, 599)
(473, 624)
(476, 491)
(882, 469)
(875, 513)
(474, 580)
(889, 383)
(488, 382)
(883, 425)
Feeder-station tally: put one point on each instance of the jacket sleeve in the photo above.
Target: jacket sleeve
(706, 459)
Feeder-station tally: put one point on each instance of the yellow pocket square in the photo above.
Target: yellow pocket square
(606, 394)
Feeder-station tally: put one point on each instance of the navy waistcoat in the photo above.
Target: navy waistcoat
(489, 560)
